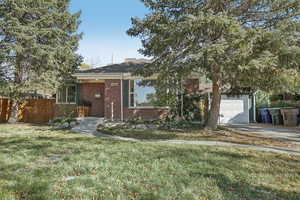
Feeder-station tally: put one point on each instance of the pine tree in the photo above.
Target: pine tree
(240, 45)
(38, 41)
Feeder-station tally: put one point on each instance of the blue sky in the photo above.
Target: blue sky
(104, 24)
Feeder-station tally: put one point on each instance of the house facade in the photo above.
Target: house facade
(114, 93)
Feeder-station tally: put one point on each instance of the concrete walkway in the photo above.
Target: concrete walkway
(278, 132)
(89, 126)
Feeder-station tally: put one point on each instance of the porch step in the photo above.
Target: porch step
(88, 124)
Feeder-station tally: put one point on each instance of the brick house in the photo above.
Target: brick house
(114, 93)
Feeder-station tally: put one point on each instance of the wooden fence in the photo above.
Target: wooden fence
(5, 109)
(37, 111)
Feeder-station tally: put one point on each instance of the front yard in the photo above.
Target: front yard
(37, 162)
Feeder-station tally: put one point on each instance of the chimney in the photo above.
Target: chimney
(134, 60)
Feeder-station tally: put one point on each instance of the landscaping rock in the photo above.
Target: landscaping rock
(70, 178)
(55, 158)
(65, 125)
(152, 127)
(132, 127)
(113, 124)
(73, 124)
(141, 126)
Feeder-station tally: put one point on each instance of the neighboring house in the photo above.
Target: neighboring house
(115, 93)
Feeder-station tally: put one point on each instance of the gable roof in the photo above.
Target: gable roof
(125, 67)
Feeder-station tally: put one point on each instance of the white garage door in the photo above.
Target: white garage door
(234, 110)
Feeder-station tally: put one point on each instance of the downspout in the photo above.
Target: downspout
(112, 111)
(122, 98)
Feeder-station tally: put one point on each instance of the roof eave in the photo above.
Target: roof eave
(105, 76)
(109, 76)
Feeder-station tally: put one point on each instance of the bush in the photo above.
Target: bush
(277, 104)
(179, 124)
(146, 122)
(276, 98)
(64, 120)
(262, 99)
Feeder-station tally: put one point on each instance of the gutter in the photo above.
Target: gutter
(105, 76)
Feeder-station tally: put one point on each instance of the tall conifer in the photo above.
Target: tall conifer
(237, 44)
(38, 44)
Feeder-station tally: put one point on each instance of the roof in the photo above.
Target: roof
(125, 67)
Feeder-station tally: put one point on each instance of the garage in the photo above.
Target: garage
(236, 109)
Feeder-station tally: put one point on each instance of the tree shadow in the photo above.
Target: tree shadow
(42, 143)
(171, 151)
(240, 189)
(25, 186)
(140, 134)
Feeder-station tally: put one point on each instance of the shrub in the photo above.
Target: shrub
(262, 99)
(179, 124)
(64, 120)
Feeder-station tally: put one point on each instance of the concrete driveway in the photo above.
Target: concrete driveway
(288, 134)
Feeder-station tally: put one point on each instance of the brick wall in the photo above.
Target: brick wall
(88, 92)
(112, 95)
(154, 113)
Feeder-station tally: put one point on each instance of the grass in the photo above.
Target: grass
(39, 163)
(222, 135)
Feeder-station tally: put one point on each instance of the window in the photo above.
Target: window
(140, 95)
(66, 95)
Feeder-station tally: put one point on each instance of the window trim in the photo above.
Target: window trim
(66, 88)
(131, 93)
(134, 103)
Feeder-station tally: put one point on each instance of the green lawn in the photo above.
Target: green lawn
(39, 163)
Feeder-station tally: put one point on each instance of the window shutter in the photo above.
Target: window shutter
(126, 93)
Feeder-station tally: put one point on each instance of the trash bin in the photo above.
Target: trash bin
(290, 116)
(265, 115)
(277, 118)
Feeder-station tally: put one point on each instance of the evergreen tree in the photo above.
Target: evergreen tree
(240, 45)
(38, 41)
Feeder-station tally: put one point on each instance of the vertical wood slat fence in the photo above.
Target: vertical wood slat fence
(5, 109)
(37, 111)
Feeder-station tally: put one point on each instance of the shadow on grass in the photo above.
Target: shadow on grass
(42, 143)
(186, 135)
(144, 134)
(240, 189)
(157, 134)
(25, 186)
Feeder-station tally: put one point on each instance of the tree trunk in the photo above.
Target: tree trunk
(206, 108)
(214, 112)
(17, 82)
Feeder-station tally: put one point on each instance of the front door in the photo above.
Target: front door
(94, 93)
